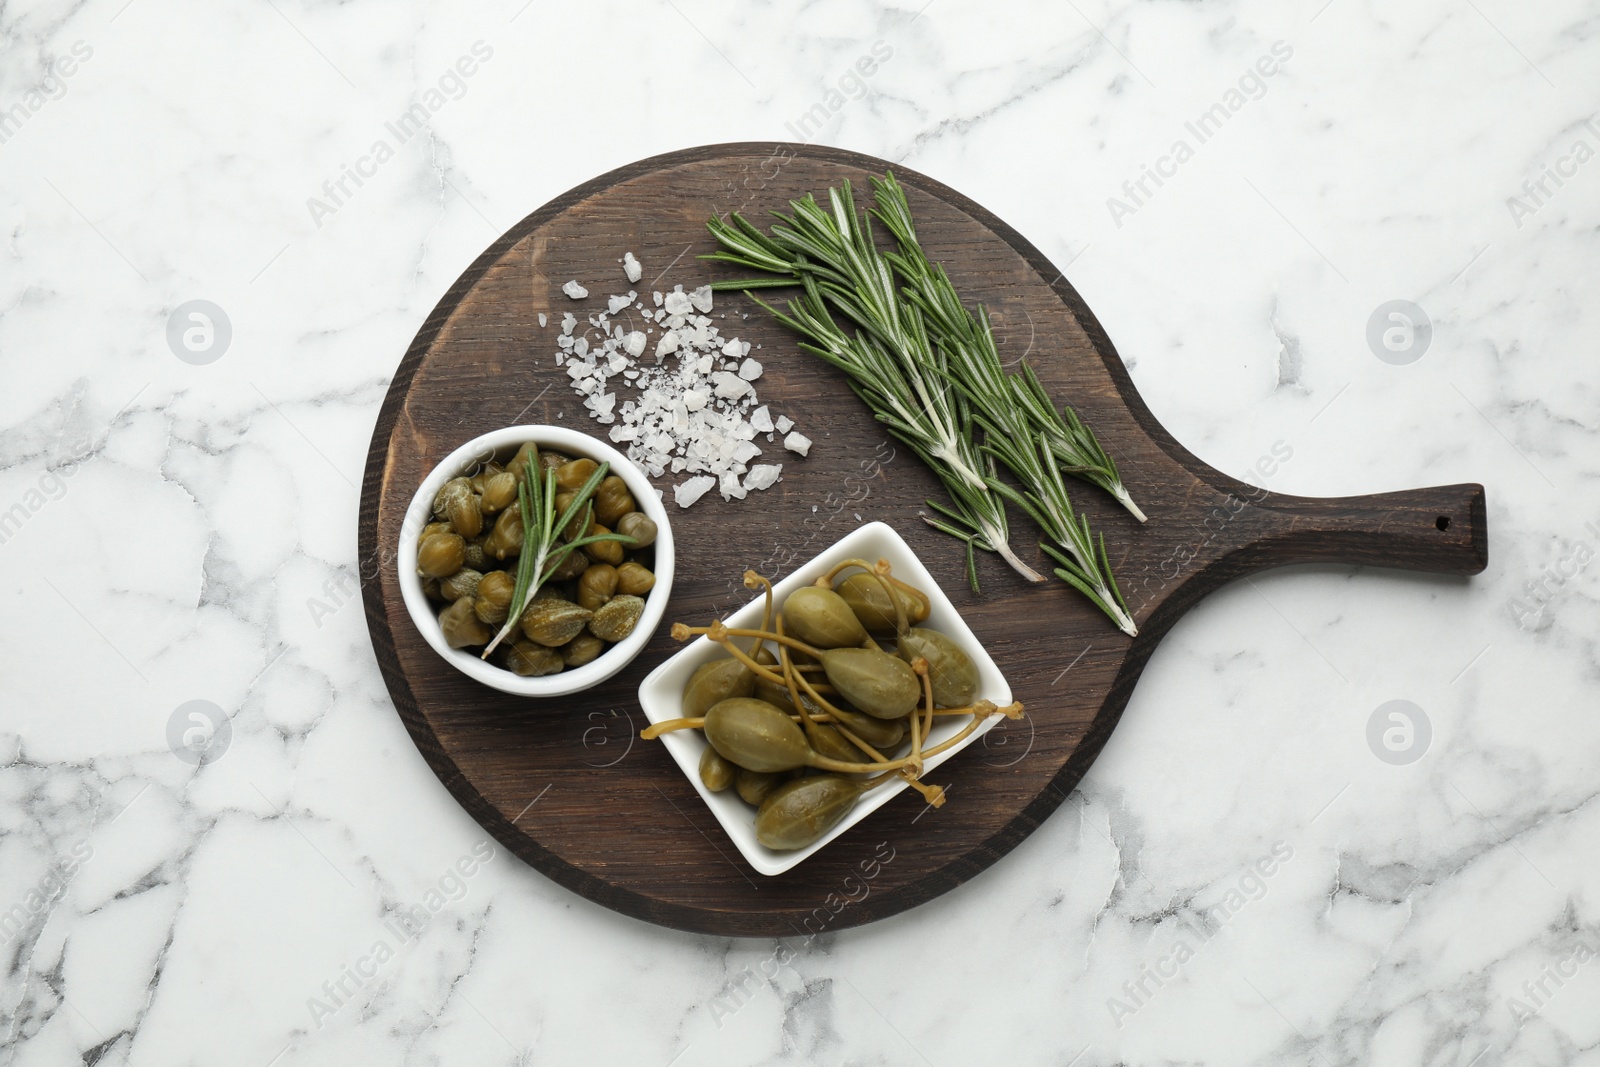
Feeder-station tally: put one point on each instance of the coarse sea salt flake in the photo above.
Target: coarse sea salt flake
(634, 343)
(730, 487)
(783, 423)
(616, 303)
(797, 442)
(686, 493)
(749, 370)
(761, 419)
(763, 475)
(701, 298)
(543, 319)
(574, 290)
(731, 348)
(632, 267)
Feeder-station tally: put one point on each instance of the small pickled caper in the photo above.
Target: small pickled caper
(820, 617)
(585, 648)
(441, 555)
(799, 812)
(612, 500)
(616, 618)
(640, 527)
(461, 627)
(505, 540)
(716, 772)
(571, 475)
(603, 551)
(461, 507)
(574, 528)
(492, 600)
(476, 557)
(635, 579)
(552, 461)
(875, 682)
(499, 492)
(571, 566)
(714, 682)
(487, 471)
(430, 589)
(755, 786)
(596, 585)
(553, 622)
(950, 669)
(531, 660)
(463, 583)
(434, 528)
(528, 453)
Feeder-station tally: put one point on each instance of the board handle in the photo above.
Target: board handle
(1443, 529)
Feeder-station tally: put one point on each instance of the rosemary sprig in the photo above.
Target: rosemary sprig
(1073, 444)
(978, 517)
(891, 364)
(542, 552)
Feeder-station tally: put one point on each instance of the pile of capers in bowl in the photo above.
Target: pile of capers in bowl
(836, 693)
(585, 591)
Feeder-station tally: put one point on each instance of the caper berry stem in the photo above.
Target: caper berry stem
(667, 726)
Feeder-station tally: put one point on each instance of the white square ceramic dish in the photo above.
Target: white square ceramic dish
(661, 693)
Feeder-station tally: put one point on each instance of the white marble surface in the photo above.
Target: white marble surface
(201, 910)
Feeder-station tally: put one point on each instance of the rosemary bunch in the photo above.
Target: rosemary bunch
(978, 516)
(1073, 444)
(925, 334)
(542, 551)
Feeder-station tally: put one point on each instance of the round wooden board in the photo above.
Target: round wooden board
(567, 785)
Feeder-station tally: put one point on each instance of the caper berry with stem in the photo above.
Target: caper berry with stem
(798, 813)
(875, 682)
(820, 617)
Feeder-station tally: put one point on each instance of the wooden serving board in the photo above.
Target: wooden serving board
(566, 785)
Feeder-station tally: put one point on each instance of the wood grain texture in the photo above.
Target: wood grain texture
(611, 817)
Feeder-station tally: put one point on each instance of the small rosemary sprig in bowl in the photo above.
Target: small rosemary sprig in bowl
(542, 550)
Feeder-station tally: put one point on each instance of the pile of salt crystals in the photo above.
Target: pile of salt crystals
(696, 410)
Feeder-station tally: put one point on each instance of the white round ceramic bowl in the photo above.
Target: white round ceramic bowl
(466, 661)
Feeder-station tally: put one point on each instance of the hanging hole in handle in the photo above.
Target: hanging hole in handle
(1442, 522)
